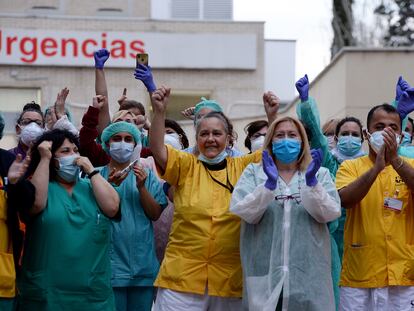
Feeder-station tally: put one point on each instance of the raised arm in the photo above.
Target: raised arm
(307, 111)
(88, 134)
(101, 56)
(105, 194)
(159, 102)
(144, 74)
(271, 105)
(61, 120)
(40, 178)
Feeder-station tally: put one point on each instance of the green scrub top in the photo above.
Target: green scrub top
(308, 113)
(66, 257)
(133, 257)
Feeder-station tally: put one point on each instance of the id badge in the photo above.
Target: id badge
(393, 204)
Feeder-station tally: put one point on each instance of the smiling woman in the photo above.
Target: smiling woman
(202, 260)
(212, 136)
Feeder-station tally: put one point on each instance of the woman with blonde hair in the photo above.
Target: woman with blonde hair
(285, 203)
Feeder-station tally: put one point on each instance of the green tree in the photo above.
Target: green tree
(399, 16)
(342, 25)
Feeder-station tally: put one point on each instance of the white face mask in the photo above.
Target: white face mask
(376, 140)
(173, 139)
(257, 143)
(30, 133)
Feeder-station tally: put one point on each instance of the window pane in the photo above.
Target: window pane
(180, 101)
(12, 101)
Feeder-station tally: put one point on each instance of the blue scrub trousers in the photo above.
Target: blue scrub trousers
(134, 298)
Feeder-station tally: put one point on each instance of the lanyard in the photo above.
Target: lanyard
(228, 184)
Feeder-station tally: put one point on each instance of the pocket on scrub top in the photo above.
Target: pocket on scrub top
(7, 272)
(358, 263)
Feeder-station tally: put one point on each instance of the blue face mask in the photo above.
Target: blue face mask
(216, 160)
(68, 170)
(121, 151)
(406, 140)
(286, 150)
(349, 145)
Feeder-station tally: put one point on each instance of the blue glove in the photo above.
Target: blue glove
(402, 86)
(302, 85)
(101, 57)
(144, 74)
(406, 103)
(270, 170)
(313, 167)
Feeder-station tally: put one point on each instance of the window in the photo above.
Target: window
(12, 101)
(182, 100)
(201, 9)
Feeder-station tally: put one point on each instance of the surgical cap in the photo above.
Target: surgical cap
(1, 125)
(116, 128)
(207, 103)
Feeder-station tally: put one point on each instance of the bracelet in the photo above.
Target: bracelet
(400, 165)
(93, 173)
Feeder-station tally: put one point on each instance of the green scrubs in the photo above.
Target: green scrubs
(133, 257)
(308, 113)
(66, 258)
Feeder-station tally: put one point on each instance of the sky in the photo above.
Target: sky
(308, 22)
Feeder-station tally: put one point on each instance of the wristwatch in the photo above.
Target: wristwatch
(93, 173)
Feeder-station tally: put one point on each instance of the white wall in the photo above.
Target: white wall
(279, 68)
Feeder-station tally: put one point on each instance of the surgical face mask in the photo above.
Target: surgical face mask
(216, 160)
(30, 133)
(331, 142)
(257, 143)
(349, 145)
(121, 151)
(407, 139)
(173, 139)
(376, 140)
(68, 170)
(286, 150)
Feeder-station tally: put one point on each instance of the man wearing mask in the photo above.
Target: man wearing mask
(376, 190)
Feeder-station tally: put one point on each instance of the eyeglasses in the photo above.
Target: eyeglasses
(294, 196)
(28, 121)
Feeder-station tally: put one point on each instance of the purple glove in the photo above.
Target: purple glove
(144, 74)
(270, 170)
(101, 57)
(302, 85)
(402, 86)
(313, 167)
(406, 103)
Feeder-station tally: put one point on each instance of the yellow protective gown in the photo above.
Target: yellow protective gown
(203, 249)
(7, 270)
(378, 241)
